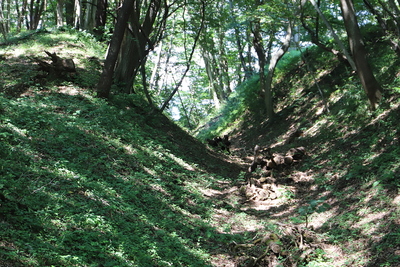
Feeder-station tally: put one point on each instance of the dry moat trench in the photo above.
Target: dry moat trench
(265, 208)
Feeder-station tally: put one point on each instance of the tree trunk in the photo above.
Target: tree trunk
(247, 72)
(364, 71)
(259, 47)
(334, 35)
(60, 13)
(21, 14)
(35, 13)
(90, 15)
(385, 28)
(212, 79)
(128, 61)
(69, 12)
(271, 69)
(77, 14)
(100, 18)
(196, 39)
(155, 75)
(3, 28)
(223, 66)
(104, 86)
(137, 45)
(314, 34)
(395, 15)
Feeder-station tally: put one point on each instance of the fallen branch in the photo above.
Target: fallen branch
(58, 66)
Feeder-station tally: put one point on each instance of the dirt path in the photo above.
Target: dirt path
(269, 203)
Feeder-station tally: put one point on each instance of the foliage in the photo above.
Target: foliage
(316, 205)
(243, 99)
(79, 181)
(85, 182)
(352, 152)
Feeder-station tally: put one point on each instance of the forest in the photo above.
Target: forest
(200, 133)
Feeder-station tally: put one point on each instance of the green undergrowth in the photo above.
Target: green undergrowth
(352, 152)
(88, 183)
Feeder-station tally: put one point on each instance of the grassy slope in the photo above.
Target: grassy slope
(352, 155)
(89, 183)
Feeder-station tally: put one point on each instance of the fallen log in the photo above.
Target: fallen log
(58, 66)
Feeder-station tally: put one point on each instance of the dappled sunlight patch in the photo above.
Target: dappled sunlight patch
(180, 162)
(369, 221)
(158, 188)
(318, 220)
(335, 97)
(71, 90)
(222, 260)
(396, 200)
(320, 110)
(287, 212)
(235, 223)
(314, 130)
(94, 197)
(302, 176)
(101, 185)
(211, 193)
(336, 254)
(21, 132)
(384, 114)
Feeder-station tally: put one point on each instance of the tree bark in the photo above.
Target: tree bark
(77, 14)
(212, 79)
(21, 13)
(69, 12)
(259, 47)
(314, 34)
(104, 86)
(89, 15)
(100, 18)
(137, 45)
(35, 13)
(334, 35)
(364, 70)
(247, 72)
(271, 69)
(3, 27)
(60, 13)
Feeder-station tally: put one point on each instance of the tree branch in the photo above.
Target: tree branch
(190, 58)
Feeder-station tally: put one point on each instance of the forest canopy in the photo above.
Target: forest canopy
(187, 57)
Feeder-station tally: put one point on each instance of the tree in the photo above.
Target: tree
(196, 39)
(262, 58)
(271, 69)
(143, 33)
(36, 10)
(100, 17)
(390, 27)
(3, 25)
(21, 13)
(335, 37)
(59, 13)
(89, 19)
(359, 53)
(239, 43)
(104, 86)
(269, 14)
(215, 46)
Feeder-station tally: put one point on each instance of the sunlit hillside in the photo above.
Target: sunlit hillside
(92, 182)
